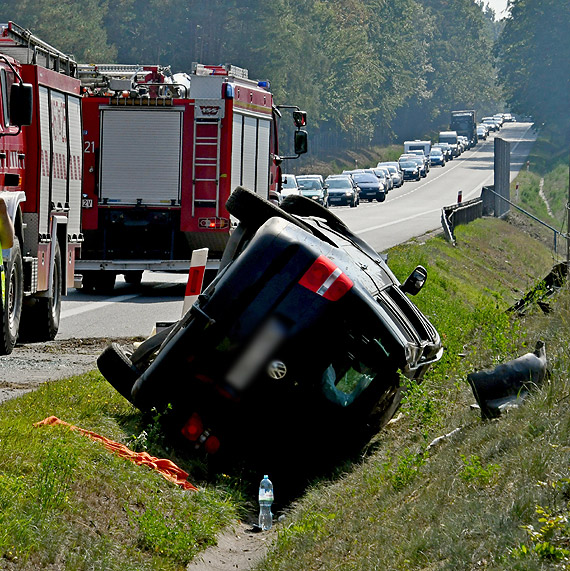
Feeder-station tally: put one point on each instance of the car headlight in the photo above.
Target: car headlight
(348, 193)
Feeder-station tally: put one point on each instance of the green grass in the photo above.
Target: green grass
(468, 503)
(66, 502)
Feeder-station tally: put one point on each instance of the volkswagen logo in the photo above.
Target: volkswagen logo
(277, 370)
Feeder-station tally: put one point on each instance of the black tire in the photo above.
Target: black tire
(99, 281)
(380, 197)
(40, 318)
(303, 206)
(115, 365)
(253, 211)
(133, 278)
(13, 299)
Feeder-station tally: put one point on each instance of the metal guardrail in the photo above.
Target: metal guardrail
(460, 213)
(490, 203)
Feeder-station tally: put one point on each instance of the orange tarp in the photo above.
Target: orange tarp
(164, 467)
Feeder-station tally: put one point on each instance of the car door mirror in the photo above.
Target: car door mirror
(415, 281)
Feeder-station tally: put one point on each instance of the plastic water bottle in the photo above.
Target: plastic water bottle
(265, 501)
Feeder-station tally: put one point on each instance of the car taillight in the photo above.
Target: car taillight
(193, 428)
(326, 279)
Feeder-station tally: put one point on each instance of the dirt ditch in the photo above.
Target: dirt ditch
(34, 363)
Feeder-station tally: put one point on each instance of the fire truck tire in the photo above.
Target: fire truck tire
(115, 365)
(252, 210)
(12, 307)
(99, 281)
(40, 318)
(133, 278)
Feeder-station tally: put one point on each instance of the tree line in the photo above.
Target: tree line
(366, 71)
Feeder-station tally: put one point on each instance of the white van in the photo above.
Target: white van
(450, 137)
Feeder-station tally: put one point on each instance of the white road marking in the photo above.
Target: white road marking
(93, 305)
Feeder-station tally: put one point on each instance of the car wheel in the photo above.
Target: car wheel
(303, 206)
(252, 210)
(115, 365)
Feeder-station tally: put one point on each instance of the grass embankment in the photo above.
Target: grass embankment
(493, 496)
(67, 503)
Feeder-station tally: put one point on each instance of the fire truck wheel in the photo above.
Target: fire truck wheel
(12, 307)
(115, 365)
(133, 278)
(40, 319)
(99, 281)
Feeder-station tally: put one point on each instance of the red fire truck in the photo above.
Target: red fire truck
(40, 180)
(162, 153)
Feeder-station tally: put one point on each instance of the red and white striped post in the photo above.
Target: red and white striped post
(459, 196)
(195, 278)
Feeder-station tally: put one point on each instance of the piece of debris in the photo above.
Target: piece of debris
(440, 439)
(507, 385)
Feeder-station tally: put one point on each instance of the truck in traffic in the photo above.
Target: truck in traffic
(162, 154)
(465, 123)
(41, 158)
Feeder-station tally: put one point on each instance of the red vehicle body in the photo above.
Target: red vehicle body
(40, 180)
(162, 154)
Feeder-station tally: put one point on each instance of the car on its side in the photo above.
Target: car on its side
(436, 157)
(313, 186)
(343, 190)
(304, 315)
(289, 185)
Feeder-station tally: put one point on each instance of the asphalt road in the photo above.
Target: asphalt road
(408, 212)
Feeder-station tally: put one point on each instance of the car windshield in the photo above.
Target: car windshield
(309, 184)
(364, 177)
(289, 182)
(435, 152)
(339, 183)
(408, 164)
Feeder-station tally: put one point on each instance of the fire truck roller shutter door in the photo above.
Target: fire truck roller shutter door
(250, 153)
(133, 143)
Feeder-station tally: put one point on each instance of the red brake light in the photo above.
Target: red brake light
(326, 279)
(193, 428)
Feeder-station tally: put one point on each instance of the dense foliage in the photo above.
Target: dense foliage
(534, 60)
(367, 71)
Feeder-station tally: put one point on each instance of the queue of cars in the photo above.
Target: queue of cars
(373, 184)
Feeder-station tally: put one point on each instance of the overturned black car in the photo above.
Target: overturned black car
(294, 350)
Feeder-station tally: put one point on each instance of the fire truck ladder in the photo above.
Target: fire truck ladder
(206, 164)
(26, 48)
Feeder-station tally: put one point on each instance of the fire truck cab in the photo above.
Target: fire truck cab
(162, 154)
(40, 181)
